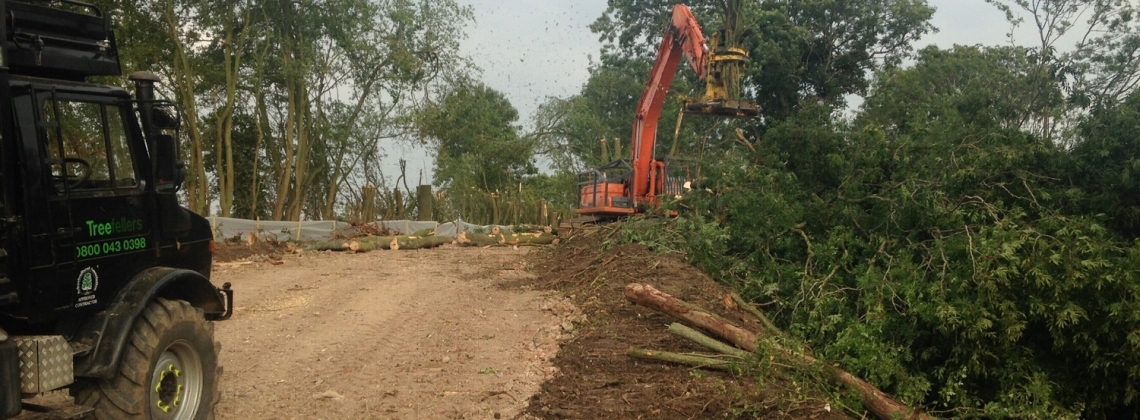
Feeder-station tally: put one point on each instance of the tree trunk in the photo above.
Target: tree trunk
(706, 341)
(225, 121)
(415, 242)
(287, 138)
(331, 246)
(650, 297)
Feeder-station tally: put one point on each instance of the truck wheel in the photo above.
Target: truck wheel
(169, 369)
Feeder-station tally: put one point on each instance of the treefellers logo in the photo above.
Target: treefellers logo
(88, 281)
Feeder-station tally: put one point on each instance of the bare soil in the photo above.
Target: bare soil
(425, 334)
(393, 335)
(473, 333)
(598, 380)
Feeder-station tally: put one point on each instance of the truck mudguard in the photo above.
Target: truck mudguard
(108, 330)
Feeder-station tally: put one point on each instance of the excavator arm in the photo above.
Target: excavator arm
(683, 38)
(643, 177)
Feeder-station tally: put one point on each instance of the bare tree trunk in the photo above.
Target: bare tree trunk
(198, 194)
(301, 171)
(338, 170)
(225, 121)
(261, 121)
(287, 138)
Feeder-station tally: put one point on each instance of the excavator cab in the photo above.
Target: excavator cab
(604, 189)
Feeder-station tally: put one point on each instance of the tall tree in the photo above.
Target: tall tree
(1091, 48)
(477, 144)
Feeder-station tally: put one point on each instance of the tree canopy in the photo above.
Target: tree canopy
(290, 105)
(477, 144)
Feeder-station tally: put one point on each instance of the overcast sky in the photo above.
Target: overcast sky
(534, 49)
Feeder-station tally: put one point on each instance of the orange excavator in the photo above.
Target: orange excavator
(625, 187)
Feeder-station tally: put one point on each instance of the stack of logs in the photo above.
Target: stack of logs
(499, 238)
(427, 238)
(874, 400)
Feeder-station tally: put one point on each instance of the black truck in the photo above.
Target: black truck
(104, 277)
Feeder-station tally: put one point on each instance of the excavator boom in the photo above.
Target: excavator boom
(683, 38)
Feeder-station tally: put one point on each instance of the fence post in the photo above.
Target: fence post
(425, 211)
(495, 209)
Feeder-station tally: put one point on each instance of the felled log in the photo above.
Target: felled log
(684, 359)
(882, 405)
(416, 242)
(649, 297)
(372, 243)
(505, 239)
(475, 239)
(330, 246)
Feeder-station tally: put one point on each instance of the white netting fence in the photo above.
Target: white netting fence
(225, 227)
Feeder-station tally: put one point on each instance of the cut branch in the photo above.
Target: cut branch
(768, 325)
(684, 359)
(882, 405)
(706, 341)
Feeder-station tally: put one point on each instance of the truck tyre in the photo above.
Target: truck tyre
(169, 369)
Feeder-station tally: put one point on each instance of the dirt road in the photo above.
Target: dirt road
(394, 334)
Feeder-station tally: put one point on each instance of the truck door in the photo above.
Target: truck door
(98, 212)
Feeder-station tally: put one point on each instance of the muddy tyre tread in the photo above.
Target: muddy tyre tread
(124, 397)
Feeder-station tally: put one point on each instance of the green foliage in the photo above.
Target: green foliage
(326, 82)
(1092, 47)
(1108, 164)
(979, 86)
(543, 200)
(935, 249)
(968, 240)
(477, 144)
(570, 130)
